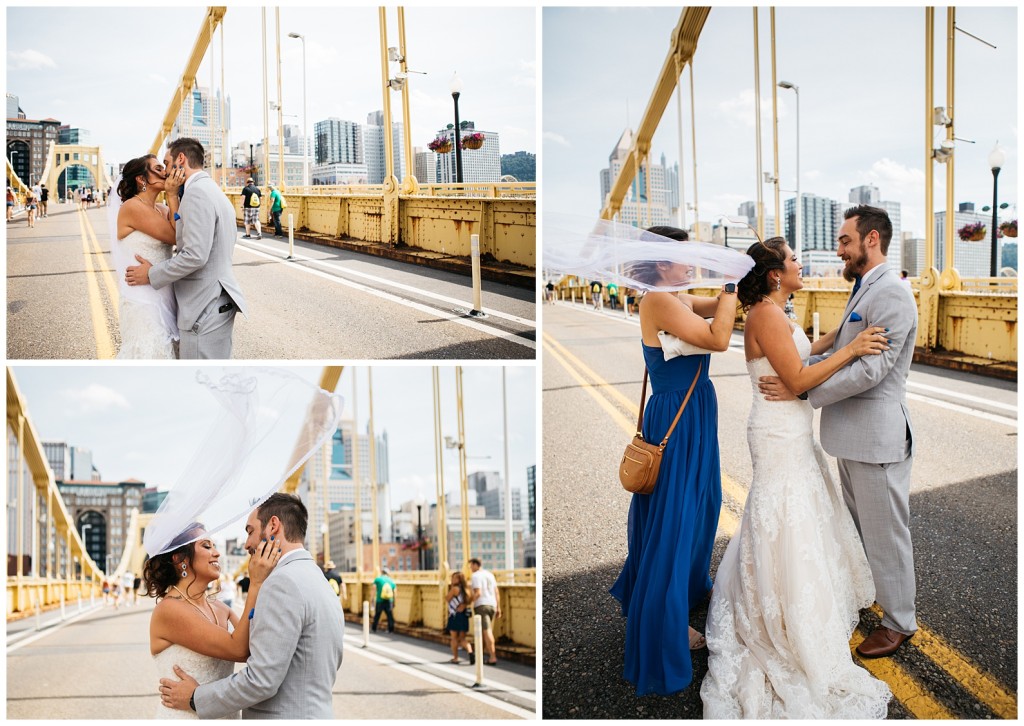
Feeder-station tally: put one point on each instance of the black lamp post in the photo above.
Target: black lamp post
(456, 88)
(996, 159)
(252, 165)
(419, 532)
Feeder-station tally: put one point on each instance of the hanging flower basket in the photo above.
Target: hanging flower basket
(972, 232)
(1009, 229)
(473, 141)
(440, 145)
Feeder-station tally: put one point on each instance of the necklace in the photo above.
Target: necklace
(189, 601)
(765, 298)
(151, 206)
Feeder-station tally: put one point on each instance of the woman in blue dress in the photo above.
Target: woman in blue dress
(671, 531)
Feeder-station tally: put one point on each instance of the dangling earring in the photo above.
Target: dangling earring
(778, 283)
(184, 572)
(143, 186)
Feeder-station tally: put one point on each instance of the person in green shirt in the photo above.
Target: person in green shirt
(386, 589)
(276, 205)
(613, 295)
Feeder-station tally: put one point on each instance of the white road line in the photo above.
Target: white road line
(445, 669)
(399, 285)
(452, 317)
(965, 397)
(437, 681)
(994, 417)
(49, 630)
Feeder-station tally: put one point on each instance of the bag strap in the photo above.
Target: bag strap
(680, 412)
(643, 398)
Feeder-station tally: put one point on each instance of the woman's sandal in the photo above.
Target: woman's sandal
(697, 640)
(456, 661)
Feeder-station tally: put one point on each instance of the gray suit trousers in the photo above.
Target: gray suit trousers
(878, 497)
(210, 337)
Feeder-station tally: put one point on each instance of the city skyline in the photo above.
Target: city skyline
(151, 439)
(860, 112)
(497, 70)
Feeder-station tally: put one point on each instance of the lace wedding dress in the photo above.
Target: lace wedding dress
(790, 585)
(148, 318)
(203, 668)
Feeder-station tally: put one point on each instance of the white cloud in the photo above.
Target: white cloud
(740, 108)
(157, 78)
(95, 398)
(557, 138)
(29, 60)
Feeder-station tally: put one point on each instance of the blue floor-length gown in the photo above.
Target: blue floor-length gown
(671, 531)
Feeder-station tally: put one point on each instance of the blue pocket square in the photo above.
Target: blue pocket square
(855, 318)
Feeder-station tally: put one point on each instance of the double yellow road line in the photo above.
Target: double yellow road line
(908, 690)
(95, 272)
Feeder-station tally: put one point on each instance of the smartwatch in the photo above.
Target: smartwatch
(729, 288)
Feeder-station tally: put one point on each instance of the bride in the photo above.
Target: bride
(190, 627)
(140, 226)
(788, 590)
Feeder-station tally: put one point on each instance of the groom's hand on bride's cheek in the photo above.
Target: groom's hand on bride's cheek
(773, 389)
(177, 694)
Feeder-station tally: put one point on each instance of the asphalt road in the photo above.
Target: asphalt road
(326, 303)
(963, 663)
(99, 667)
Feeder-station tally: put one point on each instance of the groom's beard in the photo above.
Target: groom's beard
(855, 266)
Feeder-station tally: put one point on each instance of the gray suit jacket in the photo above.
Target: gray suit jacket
(295, 644)
(201, 268)
(864, 415)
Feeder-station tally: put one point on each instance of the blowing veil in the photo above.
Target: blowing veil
(122, 257)
(609, 251)
(269, 423)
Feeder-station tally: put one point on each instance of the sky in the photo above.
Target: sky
(860, 72)
(144, 422)
(113, 70)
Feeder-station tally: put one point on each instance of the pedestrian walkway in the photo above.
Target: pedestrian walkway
(97, 665)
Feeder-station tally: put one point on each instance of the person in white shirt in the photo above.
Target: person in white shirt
(486, 604)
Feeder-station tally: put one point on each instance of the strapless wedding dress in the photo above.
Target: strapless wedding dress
(149, 326)
(203, 668)
(790, 585)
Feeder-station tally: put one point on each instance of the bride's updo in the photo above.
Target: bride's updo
(768, 255)
(129, 185)
(164, 570)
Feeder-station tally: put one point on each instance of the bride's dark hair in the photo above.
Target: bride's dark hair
(164, 570)
(768, 255)
(129, 187)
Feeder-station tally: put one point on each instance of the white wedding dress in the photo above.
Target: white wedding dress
(203, 668)
(788, 590)
(148, 317)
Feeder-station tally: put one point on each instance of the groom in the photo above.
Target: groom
(865, 422)
(295, 638)
(203, 282)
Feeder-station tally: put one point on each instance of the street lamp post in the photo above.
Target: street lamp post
(797, 241)
(456, 88)
(996, 159)
(419, 531)
(305, 130)
(252, 165)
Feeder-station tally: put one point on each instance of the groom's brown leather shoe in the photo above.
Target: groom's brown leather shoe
(883, 641)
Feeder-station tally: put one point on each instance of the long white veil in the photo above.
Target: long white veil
(270, 422)
(122, 257)
(611, 251)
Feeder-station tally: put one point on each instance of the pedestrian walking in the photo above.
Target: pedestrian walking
(10, 204)
(251, 208)
(386, 589)
(277, 205)
(44, 197)
(486, 604)
(459, 600)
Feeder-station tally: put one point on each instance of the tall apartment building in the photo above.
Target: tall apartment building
(748, 211)
(869, 194)
(200, 119)
(820, 220)
(426, 166)
(28, 141)
(478, 165)
(101, 512)
(649, 201)
(373, 143)
(338, 153)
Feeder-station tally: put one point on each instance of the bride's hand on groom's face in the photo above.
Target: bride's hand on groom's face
(175, 178)
(263, 561)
